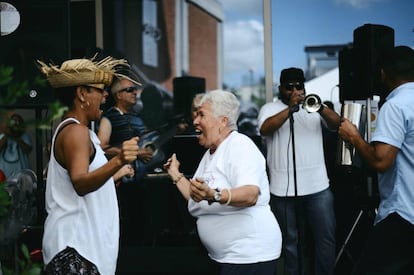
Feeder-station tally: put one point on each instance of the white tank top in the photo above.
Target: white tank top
(90, 223)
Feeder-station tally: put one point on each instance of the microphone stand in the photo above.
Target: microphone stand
(292, 110)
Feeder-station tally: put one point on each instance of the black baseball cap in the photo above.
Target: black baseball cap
(292, 75)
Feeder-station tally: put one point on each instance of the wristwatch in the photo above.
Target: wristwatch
(217, 195)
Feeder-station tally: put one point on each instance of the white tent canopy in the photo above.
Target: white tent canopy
(326, 86)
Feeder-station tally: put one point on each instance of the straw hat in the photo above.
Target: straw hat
(77, 72)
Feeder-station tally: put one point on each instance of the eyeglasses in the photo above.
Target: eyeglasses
(129, 89)
(297, 86)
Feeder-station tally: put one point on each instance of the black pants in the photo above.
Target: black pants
(389, 248)
(262, 268)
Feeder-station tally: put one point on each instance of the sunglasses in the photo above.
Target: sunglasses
(89, 88)
(129, 89)
(297, 86)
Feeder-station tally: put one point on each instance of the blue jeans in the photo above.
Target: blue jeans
(316, 212)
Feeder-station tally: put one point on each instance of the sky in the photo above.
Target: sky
(300, 23)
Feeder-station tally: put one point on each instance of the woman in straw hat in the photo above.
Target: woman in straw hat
(81, 231)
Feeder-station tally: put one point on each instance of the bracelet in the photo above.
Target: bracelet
(175, 181)
(229, 199)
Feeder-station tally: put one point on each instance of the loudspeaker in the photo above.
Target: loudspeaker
(347, 91)
(369, 42)
(184, 89)
(43, 34)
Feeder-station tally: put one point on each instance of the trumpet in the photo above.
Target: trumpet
(312, 103)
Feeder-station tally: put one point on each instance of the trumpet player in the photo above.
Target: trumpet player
(300, 192)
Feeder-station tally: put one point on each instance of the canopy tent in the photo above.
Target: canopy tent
(326, 86)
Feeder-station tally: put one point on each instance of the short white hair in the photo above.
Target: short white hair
(223, 103)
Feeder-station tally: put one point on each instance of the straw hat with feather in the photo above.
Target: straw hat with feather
(77, 72)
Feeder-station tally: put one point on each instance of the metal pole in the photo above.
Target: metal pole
(267, 15)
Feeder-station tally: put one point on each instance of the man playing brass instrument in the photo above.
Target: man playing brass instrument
(307, 197)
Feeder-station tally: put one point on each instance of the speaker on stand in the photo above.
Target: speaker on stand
(369, 43)
(360, 80)
(347, 91)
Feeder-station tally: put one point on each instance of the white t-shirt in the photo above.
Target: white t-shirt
(230, 234)
(89, 224)
(310, 163)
